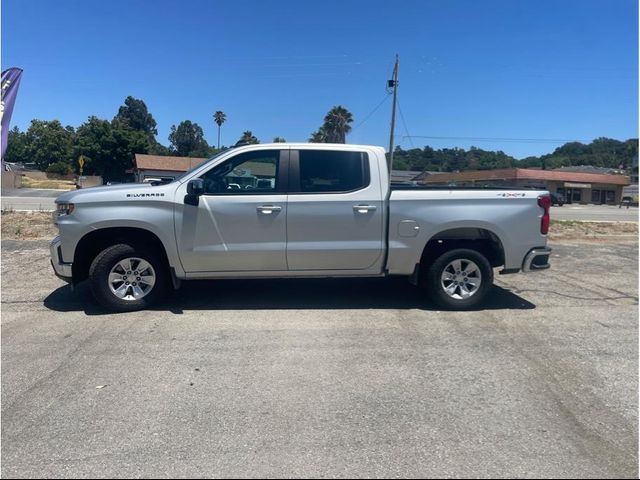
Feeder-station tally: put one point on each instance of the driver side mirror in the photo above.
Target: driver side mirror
(195, 187)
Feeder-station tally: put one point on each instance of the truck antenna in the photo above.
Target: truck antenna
(393, 83)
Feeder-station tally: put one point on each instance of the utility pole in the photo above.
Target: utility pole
(393, 83)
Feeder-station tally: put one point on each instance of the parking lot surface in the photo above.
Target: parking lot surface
(325, 378)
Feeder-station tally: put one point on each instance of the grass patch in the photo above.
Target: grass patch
(28, 225)
(28, 182)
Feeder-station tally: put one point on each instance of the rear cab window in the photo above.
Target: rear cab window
(331, 171)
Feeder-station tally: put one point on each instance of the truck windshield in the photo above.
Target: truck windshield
(180, 177)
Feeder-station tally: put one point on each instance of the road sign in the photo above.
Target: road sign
(81, 161)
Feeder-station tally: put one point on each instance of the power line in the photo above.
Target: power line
(404, 123)
(371, 113)
(496, 139)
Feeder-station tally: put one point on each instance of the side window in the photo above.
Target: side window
(333, 171)
(248, 173)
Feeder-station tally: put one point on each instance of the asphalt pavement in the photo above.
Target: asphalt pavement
(32, 192)
(29, 199)
(325, 378)
(595, 213)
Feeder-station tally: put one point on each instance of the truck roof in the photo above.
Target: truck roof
(340, 146)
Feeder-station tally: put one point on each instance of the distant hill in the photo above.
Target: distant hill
(602, 152)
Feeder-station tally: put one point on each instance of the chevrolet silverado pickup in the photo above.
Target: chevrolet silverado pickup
(296, 210)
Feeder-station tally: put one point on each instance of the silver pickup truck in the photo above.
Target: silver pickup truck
(296, 210)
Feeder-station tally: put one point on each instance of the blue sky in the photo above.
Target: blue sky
(517, 69)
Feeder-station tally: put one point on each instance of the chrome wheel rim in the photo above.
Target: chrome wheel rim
(461, 279)
(131, 279)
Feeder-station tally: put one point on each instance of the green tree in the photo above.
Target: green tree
(109, 147)
(159, 149)
(247, 138)
(279, 140)
(48, 142)
(60, 168)
(319, 136)
(187, 140)
(219, 118)
(16, 147)
(135, 115)
(337, 124)
(529, 162)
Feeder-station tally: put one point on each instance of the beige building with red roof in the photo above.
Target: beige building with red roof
(576, 187)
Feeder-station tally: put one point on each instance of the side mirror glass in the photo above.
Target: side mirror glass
(195, 187)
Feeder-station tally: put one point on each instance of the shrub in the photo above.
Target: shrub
(59, 168)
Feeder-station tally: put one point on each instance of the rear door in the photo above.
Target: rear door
(334, 211)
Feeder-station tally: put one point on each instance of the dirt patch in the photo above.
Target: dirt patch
(28, 226)
(593, 231)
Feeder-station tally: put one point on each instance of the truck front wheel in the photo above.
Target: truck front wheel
(459, 279)
(124, 278)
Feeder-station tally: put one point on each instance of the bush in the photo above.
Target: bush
(59, 168)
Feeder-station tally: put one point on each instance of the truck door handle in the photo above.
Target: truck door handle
(268, 209)
(364, 208)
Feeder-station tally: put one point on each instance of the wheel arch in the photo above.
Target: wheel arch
(95, 241)
(478, 238)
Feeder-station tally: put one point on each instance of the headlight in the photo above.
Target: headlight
(65, 208)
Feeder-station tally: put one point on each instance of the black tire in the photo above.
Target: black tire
(108, 259)
(433, 284)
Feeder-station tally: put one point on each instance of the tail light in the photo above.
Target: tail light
(544, 201)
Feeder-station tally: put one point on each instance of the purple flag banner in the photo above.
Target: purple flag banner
(10, 83)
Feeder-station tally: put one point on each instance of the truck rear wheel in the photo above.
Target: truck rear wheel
(459, 279)
(125, 278)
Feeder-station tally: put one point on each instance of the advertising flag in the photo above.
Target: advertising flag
(10, 83)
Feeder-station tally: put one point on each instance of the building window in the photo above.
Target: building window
(595, 196)
(611, 196)
(576, 195)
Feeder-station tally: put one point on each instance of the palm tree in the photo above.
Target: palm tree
(337, 124)
(219, 117)
(247, 138)
(319, 136)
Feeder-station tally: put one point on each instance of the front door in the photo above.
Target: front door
(239, 223)
(334, 212)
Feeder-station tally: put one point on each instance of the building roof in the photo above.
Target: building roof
(403, 175)
(406, 173)
(591, 169)
(526, 174)
(162, 162)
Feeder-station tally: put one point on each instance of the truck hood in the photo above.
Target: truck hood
(113, 193)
